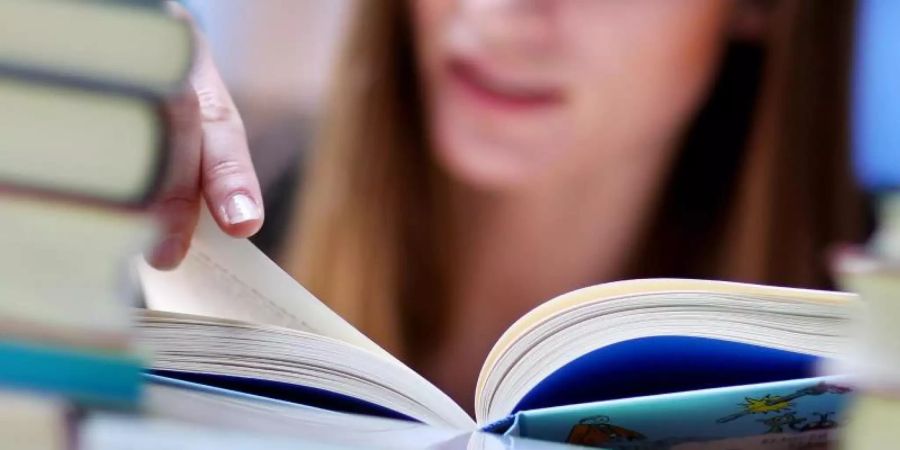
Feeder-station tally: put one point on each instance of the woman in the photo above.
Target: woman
(482, 156)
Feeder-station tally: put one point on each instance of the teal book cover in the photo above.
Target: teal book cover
(800, 413)
(85, 376)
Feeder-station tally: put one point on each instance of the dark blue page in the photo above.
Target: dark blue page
(293, 393)
(664, 364)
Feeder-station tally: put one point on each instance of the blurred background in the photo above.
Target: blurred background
(276, 57)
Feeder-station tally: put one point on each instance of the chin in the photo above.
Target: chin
(487, 166)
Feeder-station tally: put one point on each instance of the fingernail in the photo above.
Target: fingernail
(168, 254)
(239, 209)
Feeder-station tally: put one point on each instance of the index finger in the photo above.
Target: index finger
(228, 179)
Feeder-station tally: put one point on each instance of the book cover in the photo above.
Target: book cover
(767, 415)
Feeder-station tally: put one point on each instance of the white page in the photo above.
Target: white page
(105, 431)
(209, 407)
(230, 278)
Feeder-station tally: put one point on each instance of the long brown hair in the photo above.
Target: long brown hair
(761, 187)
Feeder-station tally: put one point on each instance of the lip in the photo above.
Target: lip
(494, 92)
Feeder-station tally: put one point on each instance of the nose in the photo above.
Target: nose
(520, 26)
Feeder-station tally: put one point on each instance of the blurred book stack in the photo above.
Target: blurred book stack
(82, 152)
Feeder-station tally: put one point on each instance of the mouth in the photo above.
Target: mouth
(500, 92)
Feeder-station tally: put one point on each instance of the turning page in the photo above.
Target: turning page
(230, 278)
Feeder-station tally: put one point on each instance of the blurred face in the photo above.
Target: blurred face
(520, 90)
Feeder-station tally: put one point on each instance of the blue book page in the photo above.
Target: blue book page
(188, 385)
(665, 364)
(287, 392)
(796, 411)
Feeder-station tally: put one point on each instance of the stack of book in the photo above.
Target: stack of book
(82, 152)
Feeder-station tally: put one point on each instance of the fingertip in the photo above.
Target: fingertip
(168, 254)
(178, 10)
(244, 229)
(177, 216)
(240, 215)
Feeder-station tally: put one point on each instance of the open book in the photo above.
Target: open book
(229, 317)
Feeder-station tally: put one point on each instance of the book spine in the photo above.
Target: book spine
(156, 95)
(85, 80)
(47, 75)
(82, 376)
(156, 173)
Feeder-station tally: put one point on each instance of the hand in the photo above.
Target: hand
(209, 157)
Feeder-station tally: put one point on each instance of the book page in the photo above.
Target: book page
(637, 287)
(572, 325)
(230, 278)
(209, 406)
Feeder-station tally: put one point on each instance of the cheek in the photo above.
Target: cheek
(428, 18)
(641, 77)
(428, 15)
(496, 152)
